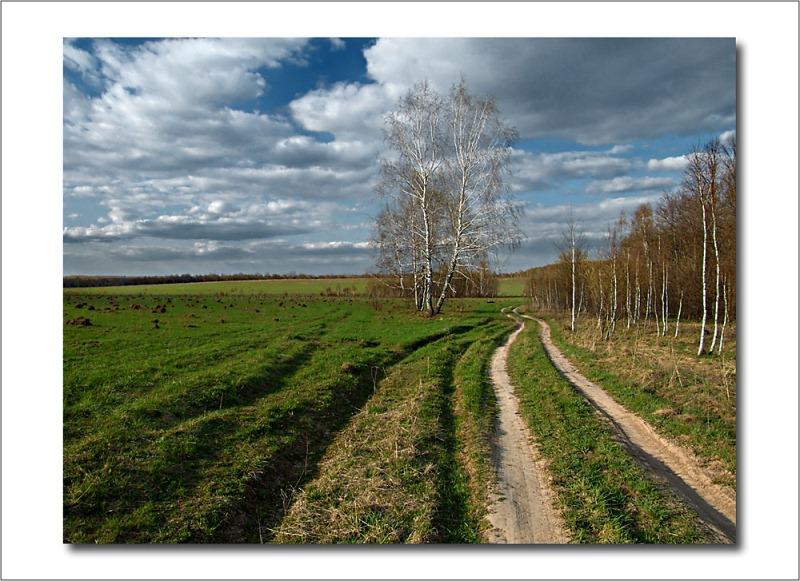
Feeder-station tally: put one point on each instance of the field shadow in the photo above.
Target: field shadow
(184, 441)
(723, 527)
(309, 430)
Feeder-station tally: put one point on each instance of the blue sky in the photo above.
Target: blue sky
(231, 155)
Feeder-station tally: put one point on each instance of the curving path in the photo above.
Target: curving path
(678, 466)
(522, 509)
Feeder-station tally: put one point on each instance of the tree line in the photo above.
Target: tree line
(661, 264)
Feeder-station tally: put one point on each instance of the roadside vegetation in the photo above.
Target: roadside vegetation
(661, 266)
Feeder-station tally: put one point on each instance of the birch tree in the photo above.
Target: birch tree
(572, 252)
(613, 251)
(702, 182)
(451, 153)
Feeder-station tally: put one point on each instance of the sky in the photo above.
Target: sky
(261, 155)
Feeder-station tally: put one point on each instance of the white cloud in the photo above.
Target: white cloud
(546, 226)
(630, 184)
(668, 164)
(171, 144)
(165, 155)
(84, 63)
(166, 106)
(347, 110)
(219, 220)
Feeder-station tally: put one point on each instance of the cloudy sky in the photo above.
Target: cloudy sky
(199, 155)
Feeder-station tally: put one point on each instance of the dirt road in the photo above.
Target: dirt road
(522, 507)
(676, 465)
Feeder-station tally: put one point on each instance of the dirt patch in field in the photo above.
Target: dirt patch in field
(522, 508)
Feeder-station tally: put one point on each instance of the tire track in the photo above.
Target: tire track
(678, 466)
(522, 508)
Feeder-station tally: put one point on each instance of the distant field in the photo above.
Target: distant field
(508, 287)
(511, 287)
(294, 286)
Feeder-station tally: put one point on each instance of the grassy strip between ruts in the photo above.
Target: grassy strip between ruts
(411, 466)
(690, 399)
(605, 496)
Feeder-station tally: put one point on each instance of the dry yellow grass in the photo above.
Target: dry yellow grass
(374, 484)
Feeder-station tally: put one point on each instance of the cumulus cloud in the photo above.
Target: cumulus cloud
(218, 221)
(668, 164)
(348, 110)
(630, 184)
(172, 104)
(545, 226)
(265, 256)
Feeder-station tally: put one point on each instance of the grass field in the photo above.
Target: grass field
(259, 412)
(197, 418)
(293, 286)
(507, 287)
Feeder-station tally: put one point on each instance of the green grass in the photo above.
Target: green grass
(293, 286)
(333, 287)
(199, 423)
(251, 416)
(605, 496)
(403, 471)
(511, 286)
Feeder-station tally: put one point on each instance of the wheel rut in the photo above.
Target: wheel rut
(522, 506)
(676, 465)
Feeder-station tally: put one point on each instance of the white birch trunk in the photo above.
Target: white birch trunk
(678, 318)
(628, 289)
(716, 263)
(700, 349)
(725, 316)
(613, 323)
(664, 299)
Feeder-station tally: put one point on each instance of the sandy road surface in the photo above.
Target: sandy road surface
(678, 466)
(522, 507)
